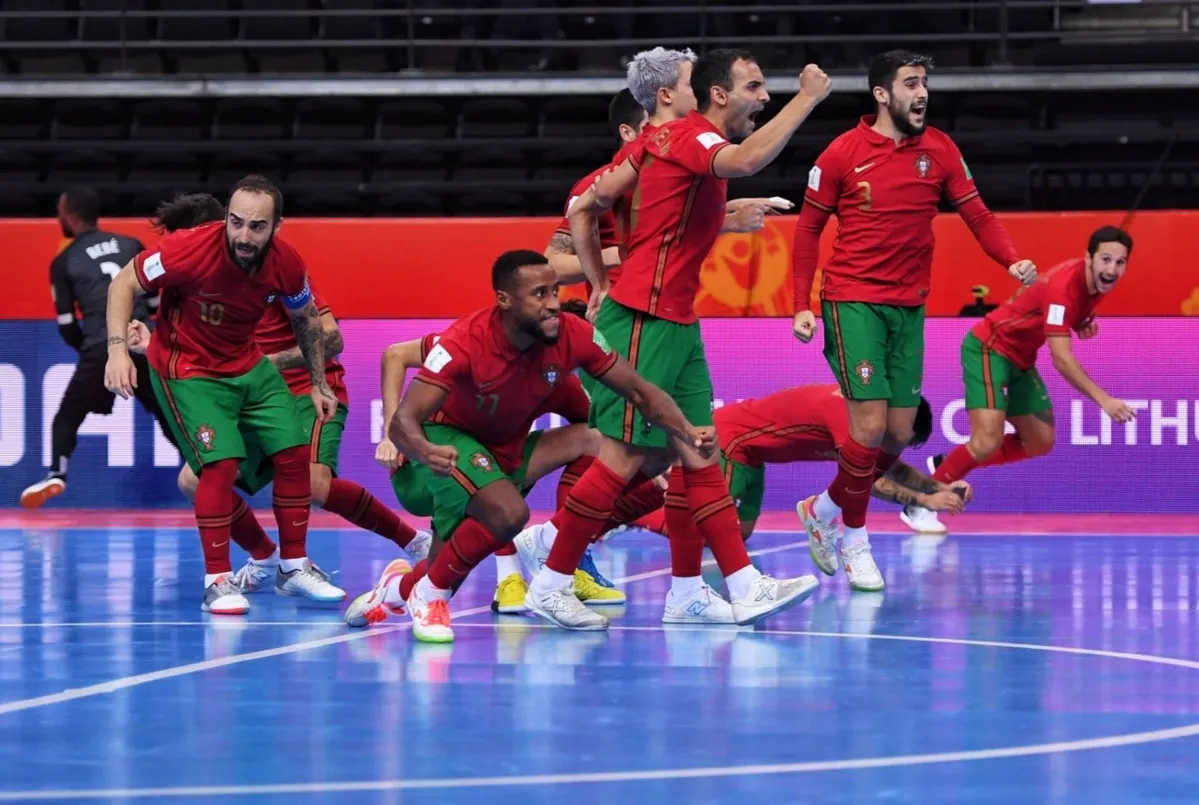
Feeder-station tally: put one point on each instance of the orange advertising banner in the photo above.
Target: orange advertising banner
(430, 268)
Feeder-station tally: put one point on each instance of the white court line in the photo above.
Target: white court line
(294, 648)
(1109, 742)
(131, 624)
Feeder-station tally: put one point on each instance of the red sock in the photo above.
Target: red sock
(507, 549)
(686, 541)
(640, 497)
(214, 517)
(410, 579)
(292, 500)
(570, 476)
(579, 521)
(247, 531)
(855, 478)
(716, 517)
(470, 544)
(349, 500)
(1010, 451)
(654, 521)
(883, 464)
(956, 465)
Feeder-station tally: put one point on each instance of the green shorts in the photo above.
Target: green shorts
(218, 418)
(747, 485)
(445, 497)
(324, 444)
(669, 355)
(992, 381)
(875, 351)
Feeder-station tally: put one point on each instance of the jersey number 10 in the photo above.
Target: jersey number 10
(212, 313)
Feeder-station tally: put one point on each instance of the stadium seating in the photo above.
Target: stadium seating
(449, 155)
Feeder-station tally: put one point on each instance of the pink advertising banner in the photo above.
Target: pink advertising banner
(1148, 465)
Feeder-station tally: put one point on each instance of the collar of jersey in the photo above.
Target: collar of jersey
(876, 139)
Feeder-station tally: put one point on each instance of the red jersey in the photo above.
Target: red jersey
(805, 423)
(885, 197)
(275, 334)
(497, 391)
(568, 400)
(210, 307)
(1058, 303)
(677, 212)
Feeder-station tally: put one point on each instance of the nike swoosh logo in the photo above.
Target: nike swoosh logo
(220, 544)
(201, 293)
(483, 386)
(867, 166)
(298, 524)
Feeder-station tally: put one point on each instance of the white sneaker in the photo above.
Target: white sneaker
(704, 605)
(922, 520)
(768, 596)
(50, 487)
(308, 582)
(255, 576)
(431, 621)
(822, 536)
(223, 597)
(562, 608)
(859, 566)
(371, 606)
(533, 545)
(419, 547)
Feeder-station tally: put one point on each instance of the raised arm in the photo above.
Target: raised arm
(763, 146)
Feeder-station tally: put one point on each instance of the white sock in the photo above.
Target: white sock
(854, 536)
(740, 582)
(289, 565)
(825, 509)
(505, 566)
(686, 586)
(548, 580)
(270, 561)
(429, 592)
(210, 578)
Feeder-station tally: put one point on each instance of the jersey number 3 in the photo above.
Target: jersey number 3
(212, 313)
(867, 198)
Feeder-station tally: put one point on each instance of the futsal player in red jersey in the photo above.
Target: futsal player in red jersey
(884, 180)
(466, 416)
(680, 178)
(225, 399)
(808, 423)
(999, 359)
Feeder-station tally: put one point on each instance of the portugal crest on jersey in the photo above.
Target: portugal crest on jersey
(864, 370)
(206, 437)
(923, 164)
(551, 375)
(481, 461)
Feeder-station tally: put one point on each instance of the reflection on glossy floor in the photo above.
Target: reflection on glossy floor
(994, 669)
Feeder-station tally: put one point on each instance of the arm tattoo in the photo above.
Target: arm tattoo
(309, 335)
(887, 489)
(905, 475)
(294, 359)
(563, 243)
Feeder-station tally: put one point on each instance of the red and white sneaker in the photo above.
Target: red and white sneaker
(430, 617)
(34, 497)
(223, 597)
(372, 607)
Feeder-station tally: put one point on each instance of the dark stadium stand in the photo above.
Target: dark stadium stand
(462, 155)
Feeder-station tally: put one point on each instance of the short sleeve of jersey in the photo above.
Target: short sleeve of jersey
(688, 146)
(445, 362)
(154, 274)
(959, 183)
(589, 350)
(426, 345)
(825, 179)
(1062, 308)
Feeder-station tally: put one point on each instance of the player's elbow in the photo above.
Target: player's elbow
(334, 343)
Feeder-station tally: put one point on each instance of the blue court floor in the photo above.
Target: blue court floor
(1005, 670)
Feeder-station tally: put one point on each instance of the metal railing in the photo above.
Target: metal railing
(410, 29)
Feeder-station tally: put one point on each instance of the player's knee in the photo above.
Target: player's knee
(292, 462)
(321, 477)
(187, 482)
(986, 443)
(506, 521)
(1041, 444)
